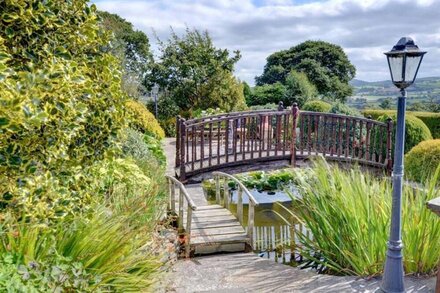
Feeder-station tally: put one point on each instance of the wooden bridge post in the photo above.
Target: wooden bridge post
(178, 141)
(278, 127)
(389, 160)
(295, 113)
(182, 138)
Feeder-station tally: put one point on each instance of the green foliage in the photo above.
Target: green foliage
(432, 120)
(111, 246)
(264, 107)
(272, 181)
(267, 94)
(59, 273)
(326, 66)
(74, 215)
(196, 74)
(298, 89)
(422, 160)
(142, 146)
(143, 120)
(415, 130)
(386, 104)
(61, 103)
(247, 91)
(348, 214)
(317, 106)
(339, 108)
(132, 47)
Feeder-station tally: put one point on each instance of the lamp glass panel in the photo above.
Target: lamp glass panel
(396, 67)
(412, 63)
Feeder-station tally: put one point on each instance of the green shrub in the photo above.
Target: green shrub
(141, 146)
(59, 273)
(348, 215)
(422, 160)
(111, 245)
(317, 106)
(61, 104)
(415, 130)
(339, 108)
(143, 120)
(264, 107)
(432, 120)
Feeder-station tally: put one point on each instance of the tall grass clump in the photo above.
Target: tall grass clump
(348, 214)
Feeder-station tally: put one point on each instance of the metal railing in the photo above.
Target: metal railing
(241, 189)
(174, 184)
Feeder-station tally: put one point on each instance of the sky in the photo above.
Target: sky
(363, 28)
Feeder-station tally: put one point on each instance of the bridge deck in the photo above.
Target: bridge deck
(215, 229)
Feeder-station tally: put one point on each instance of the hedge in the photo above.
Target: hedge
(415, 130)
(423, 159)
(432, 120)
(143, 120)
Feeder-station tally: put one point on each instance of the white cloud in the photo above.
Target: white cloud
(364, 28)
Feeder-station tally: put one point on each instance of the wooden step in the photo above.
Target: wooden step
(228, 238)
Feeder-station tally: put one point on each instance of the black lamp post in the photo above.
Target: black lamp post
(404, 61)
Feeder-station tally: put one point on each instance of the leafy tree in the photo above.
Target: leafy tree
(267, 94)
(326, 65)
(385, 104)
(132, 47)
(196, 74)
(298, 89)
(247, 91)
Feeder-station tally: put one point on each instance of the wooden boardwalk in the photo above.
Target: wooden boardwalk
(214, 229)
(211, 228)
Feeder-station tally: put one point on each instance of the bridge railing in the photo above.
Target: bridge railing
(173, 185)
(224, 178)
(213, 142)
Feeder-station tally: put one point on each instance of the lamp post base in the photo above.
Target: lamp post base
(393, 272)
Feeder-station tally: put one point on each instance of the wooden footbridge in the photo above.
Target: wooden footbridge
(215, 142)
(213, 228)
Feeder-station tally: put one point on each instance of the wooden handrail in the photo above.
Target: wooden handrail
(246, 191)
(183, 194)
(226, 140)
(241, 189)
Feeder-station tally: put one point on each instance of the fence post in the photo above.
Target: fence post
(389, 161)
(278, 127)
(295, 113)
(182, 138)
(177, 141)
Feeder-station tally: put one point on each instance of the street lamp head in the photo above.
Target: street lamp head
(155, 89)
(404, 61)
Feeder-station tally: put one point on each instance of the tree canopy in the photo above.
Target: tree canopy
(326, 66)
(196, 74)
(132, 47)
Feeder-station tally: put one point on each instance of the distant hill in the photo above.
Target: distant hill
(425, 85)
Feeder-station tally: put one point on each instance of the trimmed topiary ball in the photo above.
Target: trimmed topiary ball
(422, 160)
(415, 130)
(317, 106)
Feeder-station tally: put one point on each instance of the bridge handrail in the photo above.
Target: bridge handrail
(241, 189)
(230, 115)
(173, 183)
(231, 139)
